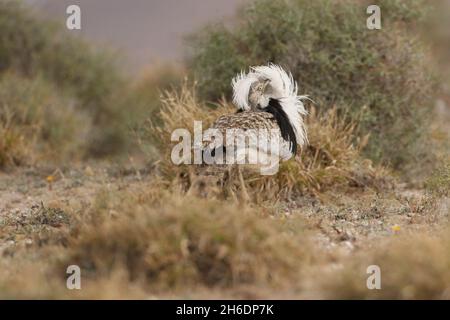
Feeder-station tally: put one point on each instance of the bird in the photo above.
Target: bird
(268, 109)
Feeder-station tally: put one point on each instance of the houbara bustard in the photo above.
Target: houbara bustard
(270, 118)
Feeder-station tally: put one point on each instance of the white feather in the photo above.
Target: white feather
(281, 83)
(241, 88)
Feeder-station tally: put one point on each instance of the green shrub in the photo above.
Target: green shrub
(380, 78)
(411, 12)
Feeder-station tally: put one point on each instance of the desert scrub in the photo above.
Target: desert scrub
(37, 123)
(175, 241)
(382, 80)
(331, 160)
(30, 46)
(413, 266)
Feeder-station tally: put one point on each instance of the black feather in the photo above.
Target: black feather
(287, 131)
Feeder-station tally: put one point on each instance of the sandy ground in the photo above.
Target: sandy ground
(23, 188)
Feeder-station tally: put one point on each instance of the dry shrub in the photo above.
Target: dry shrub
(28, 281)
(37, 123)
(170, 241)
(179, 109)
(331, 159)
(412, 267)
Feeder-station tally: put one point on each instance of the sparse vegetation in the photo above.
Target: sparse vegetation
(414, 267)
(149, 241)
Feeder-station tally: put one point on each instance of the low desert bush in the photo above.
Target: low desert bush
(171, 241)
(381, 79)
(412, 267)
(37, 123)
(331, 160)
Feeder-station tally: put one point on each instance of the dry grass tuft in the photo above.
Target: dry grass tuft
(331, 159)
(412, 267)
(168, 241)
(37, 122)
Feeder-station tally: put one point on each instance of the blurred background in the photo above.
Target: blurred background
(147, 31)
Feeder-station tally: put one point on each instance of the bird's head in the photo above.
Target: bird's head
(257, 96)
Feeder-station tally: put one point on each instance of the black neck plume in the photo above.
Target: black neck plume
(287, 131)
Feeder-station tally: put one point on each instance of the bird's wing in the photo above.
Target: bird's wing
(255, 130)
(245, 121)
(257, 140)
